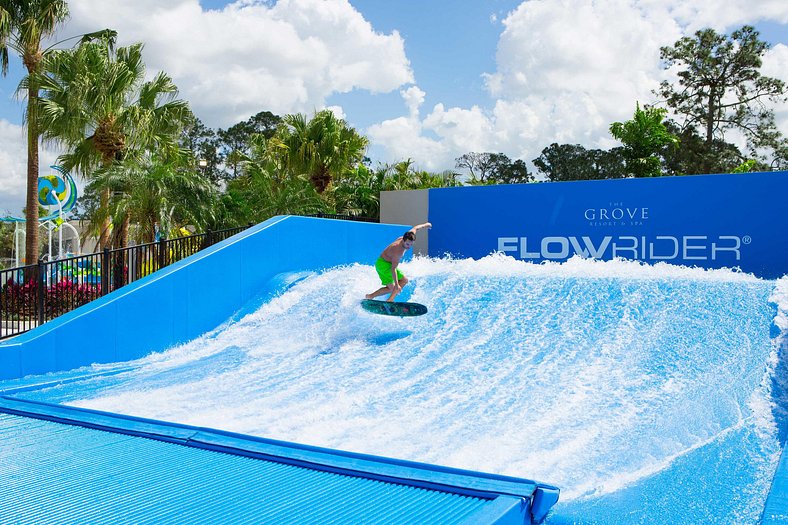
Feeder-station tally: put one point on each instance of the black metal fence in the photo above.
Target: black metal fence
(32, 295)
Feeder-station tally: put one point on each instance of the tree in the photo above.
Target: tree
(157, 190)
(266, 188)
(22, 27)
(479, 165)
(6, 245)
(493, 168)
(693, 156)
(357, 192)
(399, 176)
(720, 88)
(780, 161)
(644, 137)
(444, 179)
(96, 102)
(205, 147)
(565, 162)
(322, 147)
(235, 141)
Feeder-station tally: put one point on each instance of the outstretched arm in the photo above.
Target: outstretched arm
(416, 228)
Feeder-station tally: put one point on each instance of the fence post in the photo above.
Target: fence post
(161, 253)
(40, 291)
(105, 272)
(208, 238)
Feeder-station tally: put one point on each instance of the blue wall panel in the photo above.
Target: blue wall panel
(192, 296)
(10, 362)
(711, 221)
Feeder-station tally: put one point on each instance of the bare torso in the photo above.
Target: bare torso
(394, 252)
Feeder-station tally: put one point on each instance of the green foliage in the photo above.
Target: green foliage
(97, 104)
(357, 192)
(693, 156)
(644, 137)
(157, 190)
(204, 146)
(6, 244)
(493, 168)
(747, 166)
(235, 141)
(720, 88)
(267, 188)
(780, 161)
(222, 150)
(23, 25)
(565, 162)
(321, 148)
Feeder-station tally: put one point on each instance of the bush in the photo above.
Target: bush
(20, 300)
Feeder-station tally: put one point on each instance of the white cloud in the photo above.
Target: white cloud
(338, 112)
(252, 56)
(565, 70)
(721, 14)
(402, 138)
(775, 64)
(13, 159)
(464, 129)
(414, 98)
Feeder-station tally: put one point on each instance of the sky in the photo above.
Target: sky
(426, 80)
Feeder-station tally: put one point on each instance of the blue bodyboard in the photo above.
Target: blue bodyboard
(393, 308)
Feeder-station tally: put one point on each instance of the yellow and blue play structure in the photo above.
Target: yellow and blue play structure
(59, 194)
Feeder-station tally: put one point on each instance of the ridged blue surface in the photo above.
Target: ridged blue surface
(58, 473)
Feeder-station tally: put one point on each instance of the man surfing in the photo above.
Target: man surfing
(386, 265)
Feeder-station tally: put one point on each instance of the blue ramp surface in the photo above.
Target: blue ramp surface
(63, 465)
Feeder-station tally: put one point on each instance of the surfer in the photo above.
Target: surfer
(386, 265)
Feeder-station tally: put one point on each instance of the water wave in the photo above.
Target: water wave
(590, 375)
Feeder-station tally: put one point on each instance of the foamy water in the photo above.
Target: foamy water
(602, 378)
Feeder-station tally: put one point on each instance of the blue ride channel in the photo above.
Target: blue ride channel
(647, 393)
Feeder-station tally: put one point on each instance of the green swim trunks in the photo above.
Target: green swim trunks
(384, 271)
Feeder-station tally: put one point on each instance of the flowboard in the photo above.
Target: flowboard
(393, 308)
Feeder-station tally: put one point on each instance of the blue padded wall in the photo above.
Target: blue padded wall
(710, 221)
(192, 296)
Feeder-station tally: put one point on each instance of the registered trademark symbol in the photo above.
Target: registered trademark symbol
(746, 239)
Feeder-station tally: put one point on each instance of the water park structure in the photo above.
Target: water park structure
(624, 341)
(59, 194)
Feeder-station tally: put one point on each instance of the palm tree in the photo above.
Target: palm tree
(358, 192)
(163, 191)
(268, 188)
(322, 147)
(400, 176)
(96, 103)
(22, 27)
